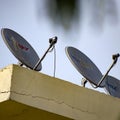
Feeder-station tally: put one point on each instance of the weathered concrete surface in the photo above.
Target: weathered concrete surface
(11, 110)
(56, 96)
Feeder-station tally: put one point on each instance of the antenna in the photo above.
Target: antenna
(112, 85)
(85, 66)
(115, 58)
(52, 42)
(22, 50)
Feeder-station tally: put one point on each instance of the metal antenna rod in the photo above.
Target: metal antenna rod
(115, 58)
(52, 41)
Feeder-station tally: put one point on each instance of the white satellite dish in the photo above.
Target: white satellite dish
(84, 66)
(20, 48)
(112, 85)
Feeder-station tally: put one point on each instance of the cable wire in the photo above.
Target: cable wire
(54, 69)
(54, 62)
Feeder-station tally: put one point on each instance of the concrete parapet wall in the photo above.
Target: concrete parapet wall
(57, 96)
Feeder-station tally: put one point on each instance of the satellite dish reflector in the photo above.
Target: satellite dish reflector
(112, 85)
(84, 65)
(20, 48)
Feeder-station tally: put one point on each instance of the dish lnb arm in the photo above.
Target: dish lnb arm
(52, 42)
(115, 58)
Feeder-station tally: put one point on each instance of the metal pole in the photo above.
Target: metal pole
(115, 58)
(40, 60)
(52, 42)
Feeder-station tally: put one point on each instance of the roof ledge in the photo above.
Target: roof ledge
(55, 95)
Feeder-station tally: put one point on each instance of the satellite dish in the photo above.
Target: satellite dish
(84, 66)
(20, 48)
(112, 85)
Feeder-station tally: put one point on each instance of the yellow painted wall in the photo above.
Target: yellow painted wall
(5, 82)
(11, 110)
(61, 97)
